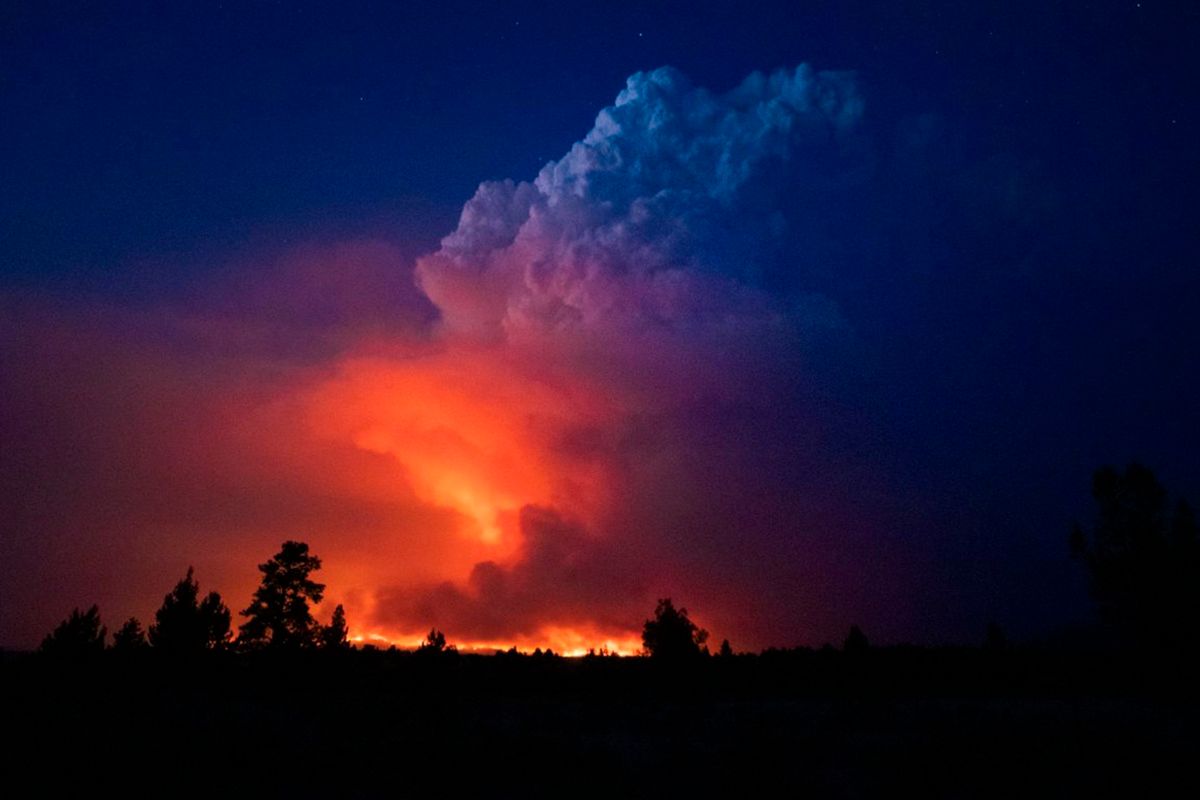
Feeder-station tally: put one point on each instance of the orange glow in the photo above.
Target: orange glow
(469, 433)
(403, 461)
(564, 641)
(463, 429)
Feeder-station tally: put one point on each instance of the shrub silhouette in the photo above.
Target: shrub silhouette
(280, 614)
(435, 642)
(856, 641)
(671, 635)
(186, 625)
(80, 634)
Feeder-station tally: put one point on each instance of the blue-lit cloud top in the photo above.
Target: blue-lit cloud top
(673, 210)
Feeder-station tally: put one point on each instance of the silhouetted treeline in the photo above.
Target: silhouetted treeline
(278, 618)
(1143, 562)
(274, 713)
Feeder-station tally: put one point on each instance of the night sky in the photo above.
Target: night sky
(526, 315)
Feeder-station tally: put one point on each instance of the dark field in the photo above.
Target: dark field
(942, 723)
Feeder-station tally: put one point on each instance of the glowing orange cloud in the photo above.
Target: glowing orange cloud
(472, 430)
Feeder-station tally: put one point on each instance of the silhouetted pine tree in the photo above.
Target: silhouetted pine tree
(185, 625)
(80, 634)
(334, 635)
(671, 635)
(1144, 566)
(130, 637)
(280, 616)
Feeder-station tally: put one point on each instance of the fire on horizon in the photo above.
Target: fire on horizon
(801, 321)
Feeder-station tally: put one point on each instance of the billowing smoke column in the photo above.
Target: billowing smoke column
(611, 399)
(657, 274)
(671, 212)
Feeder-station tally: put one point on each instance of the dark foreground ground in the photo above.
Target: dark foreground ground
(941, 723)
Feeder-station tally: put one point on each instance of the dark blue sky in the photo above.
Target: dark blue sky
(132, 130)
(1015, 249)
